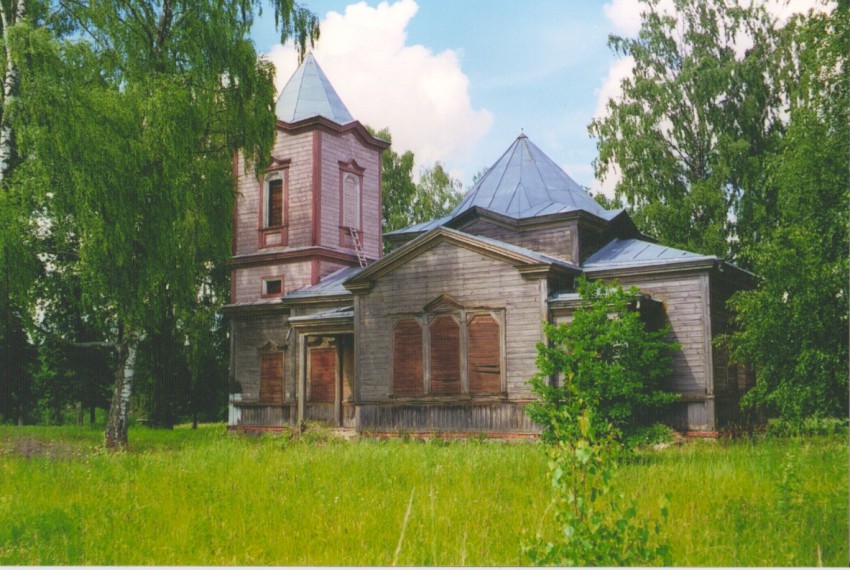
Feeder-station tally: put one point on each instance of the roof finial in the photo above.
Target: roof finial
(522, 133)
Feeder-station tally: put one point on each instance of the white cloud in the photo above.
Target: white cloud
(624, 16)
(620, 69)
(422, 96)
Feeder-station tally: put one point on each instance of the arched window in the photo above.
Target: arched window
(407, 359)
(274, 202)
(351, 201)
(483, 355)
(445, 356)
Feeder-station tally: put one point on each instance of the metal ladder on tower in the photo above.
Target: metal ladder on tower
(358, 247)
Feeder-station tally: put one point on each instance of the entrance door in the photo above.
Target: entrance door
(323, 383)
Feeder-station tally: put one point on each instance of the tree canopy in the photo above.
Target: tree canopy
(689, 133)
(127, 133)
(732, 138)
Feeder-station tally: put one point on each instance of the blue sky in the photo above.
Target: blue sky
(534, 66)
(458, 80)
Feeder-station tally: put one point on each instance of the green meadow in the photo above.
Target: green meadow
(206, 497)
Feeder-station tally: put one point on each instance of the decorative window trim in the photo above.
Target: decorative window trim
(274, 235)
(445, 306)
(264, 282)
(350, 169)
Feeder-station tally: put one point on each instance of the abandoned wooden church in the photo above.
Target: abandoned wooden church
(438, 336)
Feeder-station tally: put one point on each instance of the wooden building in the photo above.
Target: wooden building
(439, 335)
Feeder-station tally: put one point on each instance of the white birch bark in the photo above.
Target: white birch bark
(10, 82)
(119, 410)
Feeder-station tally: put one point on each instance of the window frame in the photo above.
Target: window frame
(463, 318)
(273, 235)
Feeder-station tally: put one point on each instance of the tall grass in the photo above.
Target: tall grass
(206, 497)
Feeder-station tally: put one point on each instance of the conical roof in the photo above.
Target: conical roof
(525, 182)
(309, 93)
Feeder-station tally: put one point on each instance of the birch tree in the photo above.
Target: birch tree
(690, 132)
(132, 128)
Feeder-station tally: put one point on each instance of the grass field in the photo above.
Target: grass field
(206, 497)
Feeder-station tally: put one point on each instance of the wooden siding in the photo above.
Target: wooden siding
(470, 417)
(483, 357)
(555, 240)
(470, 278)
(408, 377)
(297, 148)
(345, 147)
(266, 416)
(250, 334)
(684, 301)
(248, 281)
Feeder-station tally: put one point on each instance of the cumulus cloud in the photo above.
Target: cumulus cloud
(422, 96)
(624, 17)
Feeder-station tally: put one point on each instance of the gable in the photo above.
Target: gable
(526, 262)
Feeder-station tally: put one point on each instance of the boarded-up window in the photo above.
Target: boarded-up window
(407, 359)
(484, 355)
(271, 378)
(275, 203)
(351, 201)
(322, 374)
(445, 356)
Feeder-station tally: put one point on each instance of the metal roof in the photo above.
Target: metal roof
(309, 93)
(338, 313)
(328, 286)
(525, 182)
(634, 252)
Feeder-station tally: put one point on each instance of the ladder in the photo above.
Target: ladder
(358, 247)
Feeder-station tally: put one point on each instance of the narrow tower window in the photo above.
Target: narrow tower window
(274, 203)
(351, 201)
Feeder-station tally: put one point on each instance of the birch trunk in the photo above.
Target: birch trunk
(119, 411)
(10, 86)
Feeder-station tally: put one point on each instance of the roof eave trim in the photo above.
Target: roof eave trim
(615, 270)
(321, 121)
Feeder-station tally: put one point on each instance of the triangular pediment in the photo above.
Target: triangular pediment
(518, 257)
(272, 346)
(443, 304)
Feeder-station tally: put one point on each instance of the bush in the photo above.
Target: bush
(596, 526)
(807, 427)
(607, 358)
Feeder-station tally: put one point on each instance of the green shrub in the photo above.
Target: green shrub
(607, 358)
(596, 525)
(806, 427)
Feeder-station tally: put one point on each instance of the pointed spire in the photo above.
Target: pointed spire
(309, 93)
(524, 183)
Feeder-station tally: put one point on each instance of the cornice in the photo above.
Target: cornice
(306, 253)
(327, 125)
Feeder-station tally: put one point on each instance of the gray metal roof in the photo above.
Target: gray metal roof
(309, 93)
(525, 182)
(635, 252)
(338, 313)
(328, 286)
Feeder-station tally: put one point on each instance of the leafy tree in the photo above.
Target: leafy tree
(793, 327)
(404, 202)
(610, 369)
(689, 134)
(606, 359)
(596, 525)
(131, 129)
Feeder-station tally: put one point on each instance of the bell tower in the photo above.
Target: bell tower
(317, 207)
